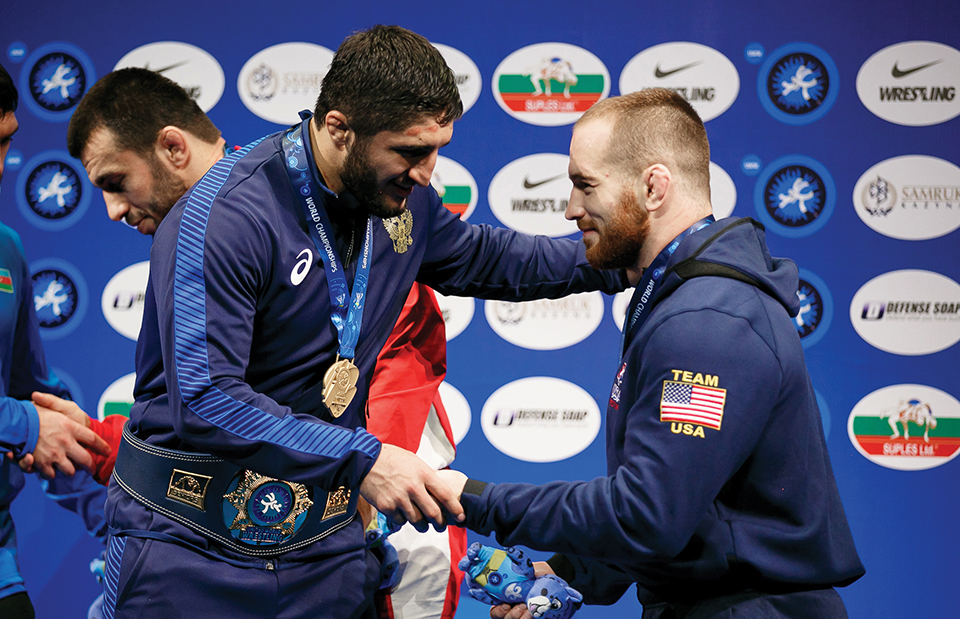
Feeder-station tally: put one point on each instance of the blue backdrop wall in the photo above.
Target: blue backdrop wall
(834, 123)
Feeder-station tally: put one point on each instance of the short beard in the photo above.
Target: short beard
(167, 189)
(619, 244)
(360, 179)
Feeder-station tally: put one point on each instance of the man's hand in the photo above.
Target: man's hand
(454, 479)
(64, 439)
(402, 487)
(520, 611)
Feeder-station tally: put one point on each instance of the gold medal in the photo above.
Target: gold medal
(340, 385)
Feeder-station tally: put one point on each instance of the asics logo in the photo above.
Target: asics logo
(302, 267)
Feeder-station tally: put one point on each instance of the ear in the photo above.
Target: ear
(336, 126)
(654, 186)
(173, 148)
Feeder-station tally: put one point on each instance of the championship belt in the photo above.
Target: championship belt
(243, 510)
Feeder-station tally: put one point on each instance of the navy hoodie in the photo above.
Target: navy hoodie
(718, 478)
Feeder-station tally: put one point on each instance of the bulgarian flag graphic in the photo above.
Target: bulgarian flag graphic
(569, 91)
(457, 198)
(6, 282)
(876, 437)
(117, 408)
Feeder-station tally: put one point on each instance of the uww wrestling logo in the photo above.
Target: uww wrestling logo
(53, 190)
(57, 81)
(798, 84)
(811, 309)
(54, 297)
(794, 196)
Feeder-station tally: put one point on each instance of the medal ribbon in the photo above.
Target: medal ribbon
(346, 305)
(639, 307)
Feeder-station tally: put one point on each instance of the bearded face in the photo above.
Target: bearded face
(615, 242)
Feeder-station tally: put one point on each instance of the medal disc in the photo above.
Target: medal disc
(340, 385)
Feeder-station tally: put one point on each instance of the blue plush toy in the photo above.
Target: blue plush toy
(376, 537)
(507, 576)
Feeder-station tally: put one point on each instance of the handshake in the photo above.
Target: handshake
(507, 577)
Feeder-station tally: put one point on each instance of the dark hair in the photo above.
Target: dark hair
(386, 79)
(134, 105)
(8, 93)
(656, 125)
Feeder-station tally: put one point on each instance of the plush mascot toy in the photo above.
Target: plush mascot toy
(506, 576)
(376, 534)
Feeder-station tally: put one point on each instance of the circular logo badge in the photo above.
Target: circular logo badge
(193, 68)
(550, 84)
(908, 312)
(52, 192)
(914, 197)
(798, 83)
(54, 79)
(59, 297)
(816, 309)
(279, 81)
(531, 193)
(700, 74)
(795, 196)
(122, 299)
(457, 313)
(117, 399)
(469, 80)
(723, 192)
(458, 411)
(906, 427)
(455, 186)
(540, 419)
(546, 324)
(913, 83)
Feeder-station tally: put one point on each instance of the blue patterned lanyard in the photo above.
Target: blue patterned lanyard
(346, 308)
(640, 303)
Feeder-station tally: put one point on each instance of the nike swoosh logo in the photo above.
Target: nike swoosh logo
(173, 66)
(528, 185)
(898, 73)
(661, 74)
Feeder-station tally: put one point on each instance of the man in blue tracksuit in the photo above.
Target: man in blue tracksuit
(719, 496)
(274, 283)
(54, 442)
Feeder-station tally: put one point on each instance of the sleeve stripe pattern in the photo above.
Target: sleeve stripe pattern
(196, 387)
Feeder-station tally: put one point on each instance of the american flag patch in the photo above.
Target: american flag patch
(692, 404)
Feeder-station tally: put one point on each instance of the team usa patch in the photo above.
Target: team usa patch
(692, 401)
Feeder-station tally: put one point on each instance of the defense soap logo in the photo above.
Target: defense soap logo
(54, 79)
(455, 186)
(546, 324)
(458, 411)
(53, 191)
(195, 70)
(530, 195)
(795, 196)
(469, 81)
(908, 312)
(723, 192)
(816, 309)
(279, 81)
(540, 419)
(798, 83)
(913, 84)
(457, 313)
(550, 84)
(59, 297)
(122, 299)
(914, 198)
(906, 427)
(700, 74)
(117, 398)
